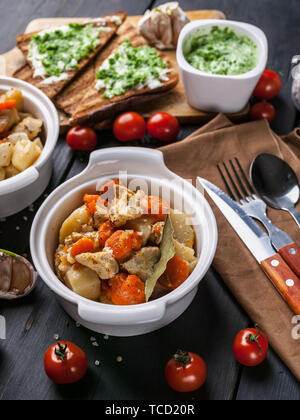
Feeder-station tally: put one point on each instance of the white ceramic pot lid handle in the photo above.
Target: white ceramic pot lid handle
(116, 156)
(110, 314)
(19, 181)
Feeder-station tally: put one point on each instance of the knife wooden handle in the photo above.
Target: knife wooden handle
(284, 279)
(291, 254)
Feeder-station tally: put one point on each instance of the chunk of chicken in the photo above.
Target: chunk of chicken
(100, 216)
(157, 233)
(126, 206)
(143, 226)
(6, 150)
(143, 262)
(84, 282)
(105, 265)
(8, 118)
(31, 126)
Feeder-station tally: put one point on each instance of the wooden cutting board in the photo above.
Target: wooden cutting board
(174, 102)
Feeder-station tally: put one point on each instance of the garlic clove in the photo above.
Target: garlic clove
(17, 276)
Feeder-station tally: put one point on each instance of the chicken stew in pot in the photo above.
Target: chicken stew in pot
(123, 247)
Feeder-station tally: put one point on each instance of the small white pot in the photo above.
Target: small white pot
(218, 93)
(20, 191)
(140, 163)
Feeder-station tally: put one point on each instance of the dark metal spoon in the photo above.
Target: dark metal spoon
(276, 183)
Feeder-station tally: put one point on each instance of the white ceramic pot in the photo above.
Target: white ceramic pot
(105, 164)
(219, 93)
(20, 191)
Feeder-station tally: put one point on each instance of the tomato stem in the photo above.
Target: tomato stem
(182, 358)
(61, 352)
(254, 338)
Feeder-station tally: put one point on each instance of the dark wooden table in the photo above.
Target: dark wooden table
(208, 326)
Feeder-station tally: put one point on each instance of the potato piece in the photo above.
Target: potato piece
(38, 142)
(17, 96)
(2, 174)
(143, 262)
(183, 228)
(84, 282)
(8, 118)
(6, 151)
(188, 254)
(31, 126)
(74, 223)
(15, 137)
(25, 154)
(11, 171)
(105, 265)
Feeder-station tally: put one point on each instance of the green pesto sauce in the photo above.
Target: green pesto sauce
(56, 51)
(131, 68)
(221, 51)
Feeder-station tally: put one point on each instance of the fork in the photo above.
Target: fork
(254, 207)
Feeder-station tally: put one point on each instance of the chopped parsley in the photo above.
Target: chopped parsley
(58, 50)
(131, 68)
(221, 51)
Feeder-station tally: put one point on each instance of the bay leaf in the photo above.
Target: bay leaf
(167, 252)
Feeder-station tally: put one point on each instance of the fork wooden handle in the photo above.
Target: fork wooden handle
(291, 254)
(285, 281)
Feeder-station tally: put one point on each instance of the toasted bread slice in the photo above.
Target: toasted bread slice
(26, 73)
(91, 107)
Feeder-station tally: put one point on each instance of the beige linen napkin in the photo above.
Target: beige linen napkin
(219, 141)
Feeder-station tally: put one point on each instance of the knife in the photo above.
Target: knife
(259, 244)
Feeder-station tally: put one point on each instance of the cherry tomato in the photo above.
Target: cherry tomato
(262, 110)
(82, 138)
(65, 363)
(250, 347)
(268, 86)
(163, 126)
(186, 372)
(129, 126)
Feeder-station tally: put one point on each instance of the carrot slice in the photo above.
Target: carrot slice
(120, 243)
(82, 246)
(91, 202)
(88, 198)
(108, 185)
(105, 232)
(11, 103)
(127, 290)
(176, 273)
(157, 207)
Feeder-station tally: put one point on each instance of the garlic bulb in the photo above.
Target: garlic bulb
(17, 276)
(162, 26)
